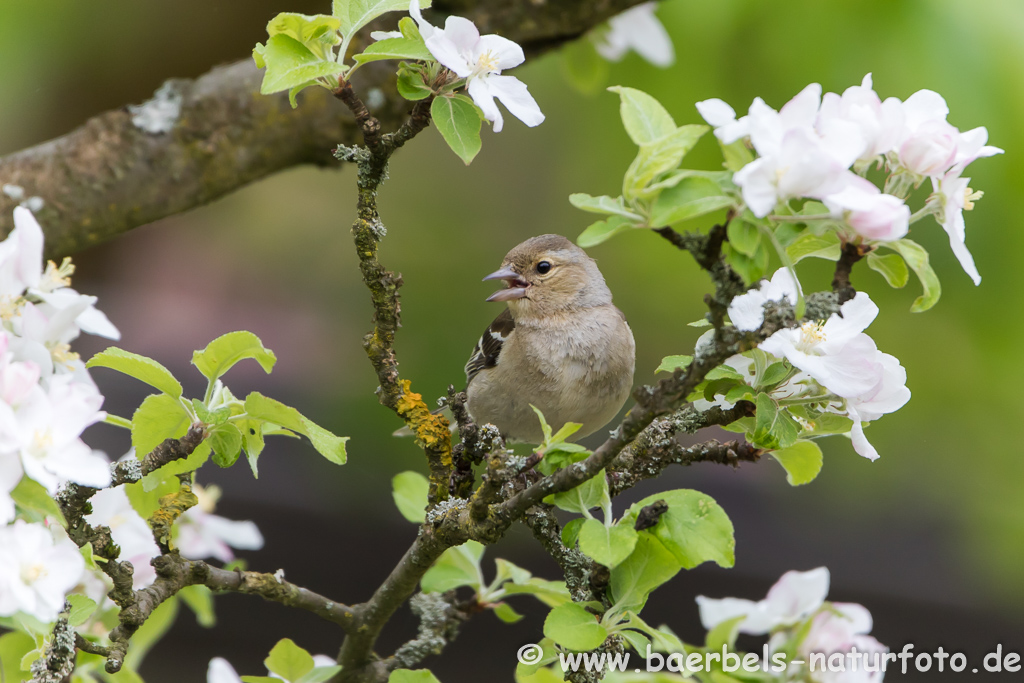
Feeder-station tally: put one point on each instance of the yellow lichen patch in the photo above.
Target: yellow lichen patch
(431, 430)
(172, 506)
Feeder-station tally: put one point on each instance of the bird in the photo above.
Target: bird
(560, 345)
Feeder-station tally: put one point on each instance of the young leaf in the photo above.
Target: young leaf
(288, 660)
(571, 531)
(802, 462)
(412, 676)
(673, 363)
(551, 593)
(327, 444)
(409, 490)
(354, 14)
(289, 63)
(607, 545)
(645, 120)
(724, 635)
(589, 494)
(223, 352)
(82, 608)
(458, 120)
(695, 529)
(574, 628)
(736, 155)
(891, 266)
(411, 86)
(817, 246)
(458, 566)
(602, 204)
(506, 571)
(311, 30)
(394, 48)
(158, 417)
(14, 645)
(660, 156)
(141, 368)
(320, 674)
(602, 231)
(226, 443)
(744, 237)
(917, 258)
(504, 611)
(649, 565)
(32, 497)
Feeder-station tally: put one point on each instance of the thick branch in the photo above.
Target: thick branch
(110, 176)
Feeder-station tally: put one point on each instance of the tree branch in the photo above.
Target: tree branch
(110, 175)
(844, 267)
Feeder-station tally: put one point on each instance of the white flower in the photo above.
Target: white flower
(221, 671)
(840, 632)
(36, 571)
(801, 166)
(111, 508)
(480, 60)
(746, 311)
(793, 598)
(202, 534)
(637, 29)
(836, 353)
(928, 144)
(722, 118)
(956, 197)
(10, 475)
(46, 430)
(870, 213)
(888, 396)
(877, 125)
(21, 255)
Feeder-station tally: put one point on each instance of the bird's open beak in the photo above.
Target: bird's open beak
(515, 287)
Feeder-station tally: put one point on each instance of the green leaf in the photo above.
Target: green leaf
(658, 157)
(571, 531)
(354, 14)
(199, 599)
(602, 204)
(649, 565)
(411, 86)
(574, 628)
(828, 423)
(409, 490)
(288, 660)
(226, 442)
(691, 197)
(695, 529)
(590, 494)
(891, 266)
(551, 593)
(223, 352)
(13, 647)
(602, 231)
(673, 363)
(607, 545)
(141, 368)
(510, 572)
(736, 154)
(82, 608)
(158, 623)
(259, 679)
(809, 245)
(767, 412)
(773, 374)
(750, 268)
(458, 566)
(504, 611)
(724, 635)
(458, 120)
(802, 462)
(638, 641)
(744, 237)
(289, 63)
(32, 497)
(917, 258)
(412, 675)
(317, 32)
(644, 118)
(158, 417)
(584, 68)
(395, 48)
(327, 444)
(320, 674)
(252, 442)
(215, 417)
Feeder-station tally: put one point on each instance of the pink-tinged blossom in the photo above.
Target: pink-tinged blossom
(793, 598)
(876, 125)
(841, 631)
(888, 396)
(10, 475)
(202, 534)
(36, 570)
(870, 213)
(111, 508)
(746, 311)
(836, 354)
(480, 60)
(637, 29)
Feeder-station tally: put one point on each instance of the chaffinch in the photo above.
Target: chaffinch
(560, 345)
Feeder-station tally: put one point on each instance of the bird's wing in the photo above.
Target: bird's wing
(487, 350)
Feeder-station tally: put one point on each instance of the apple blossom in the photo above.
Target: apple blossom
(746, 311)
(10, 475)
(877, 124)
(888, 396)
(36, 571)
(835, 353)
(221, 671)
(722, 118)
(843, 629)
(480, 60)
(111, 508)
(870, 213)
(203, 534)
(637, 29)
(793, 598)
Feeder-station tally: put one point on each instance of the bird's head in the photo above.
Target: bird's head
(547, 275)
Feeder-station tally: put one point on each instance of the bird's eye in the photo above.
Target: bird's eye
(543, 267)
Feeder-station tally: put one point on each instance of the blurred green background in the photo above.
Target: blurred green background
(936, 524)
